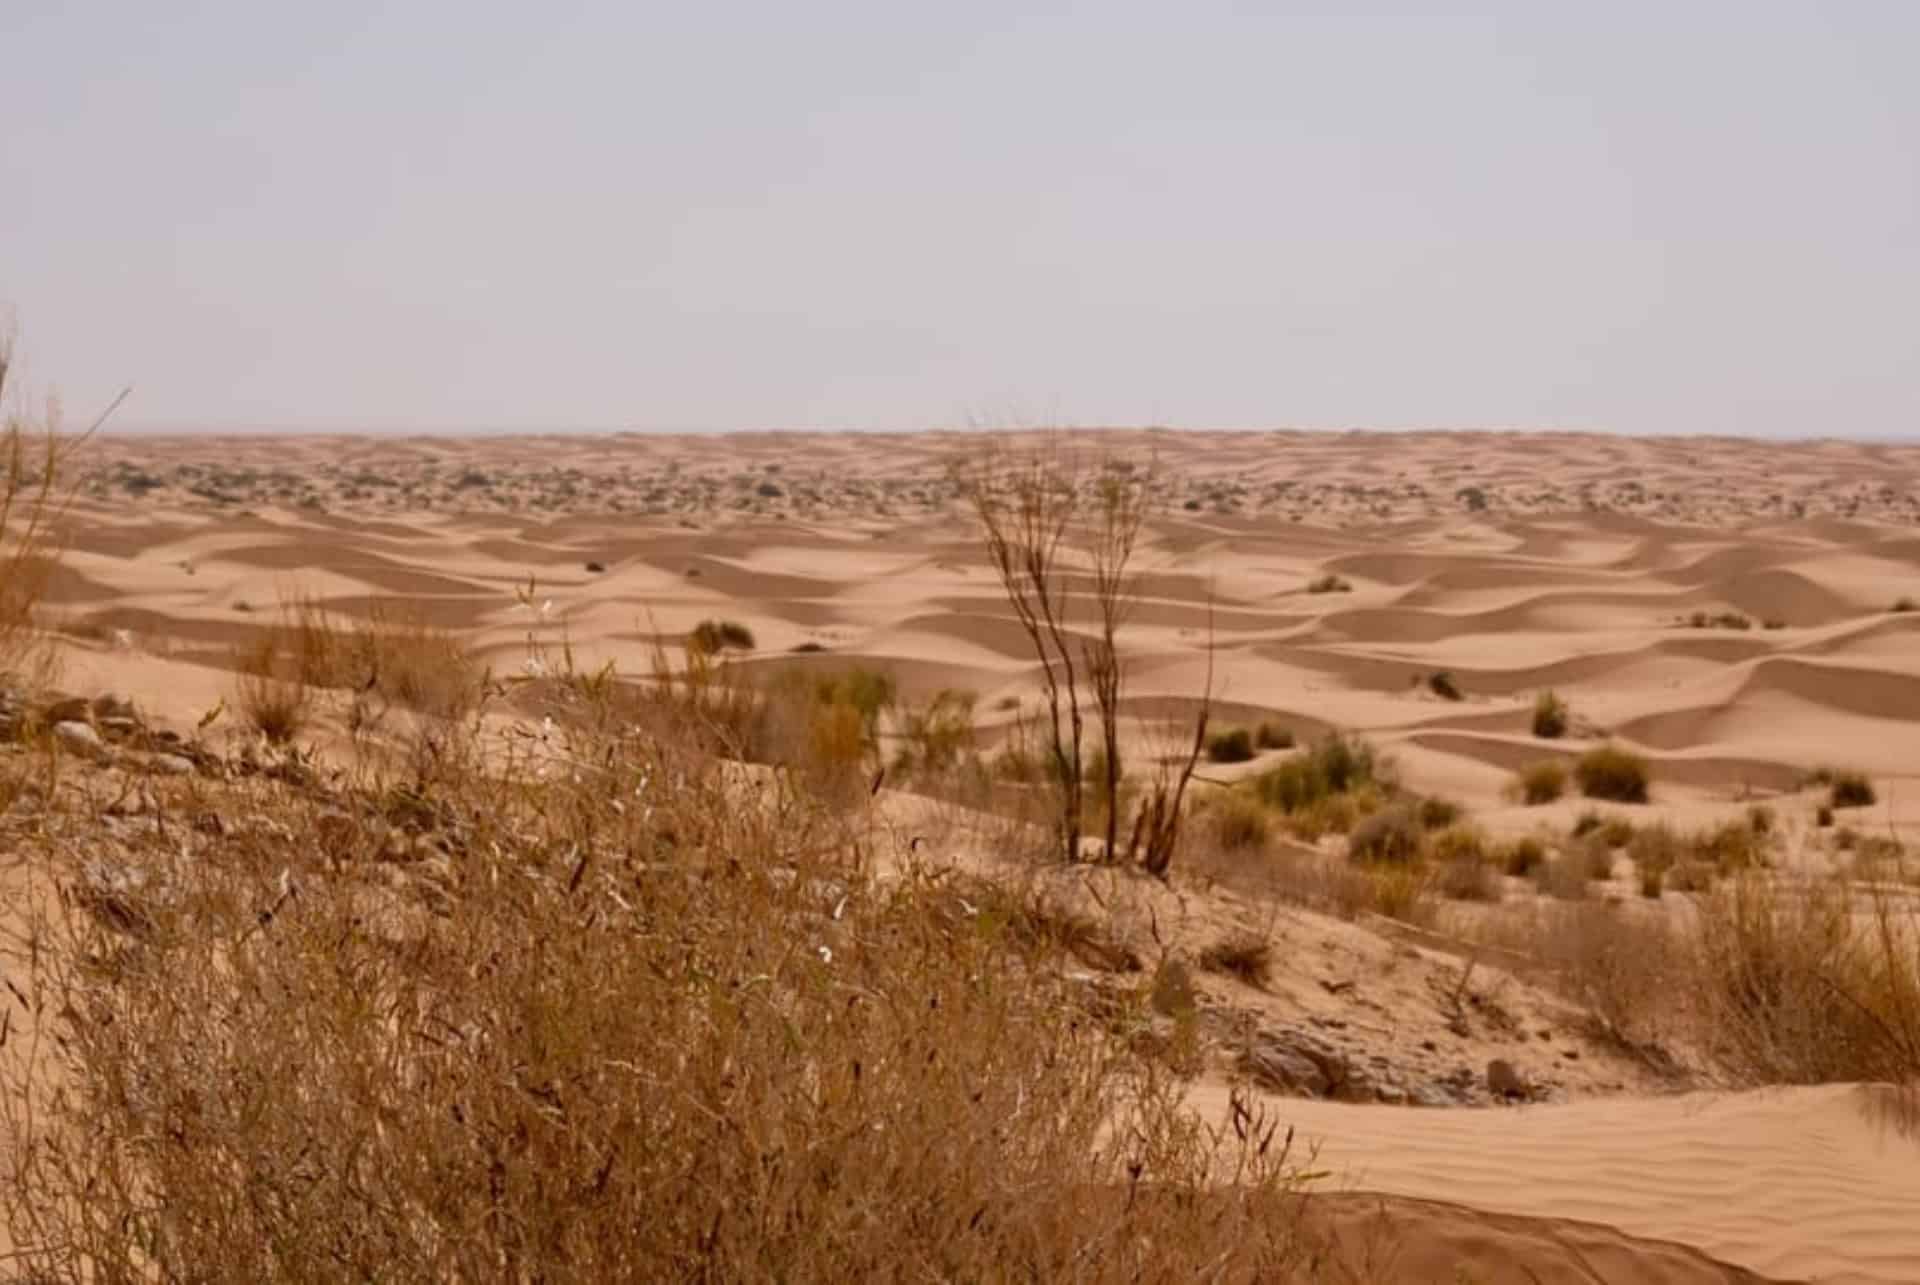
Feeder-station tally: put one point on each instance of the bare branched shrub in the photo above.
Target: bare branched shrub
(1043, 515)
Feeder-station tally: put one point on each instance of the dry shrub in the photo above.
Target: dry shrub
(1564, 878)
(1611, 773)
(32, 457)
(1234, 745)
(1235, 821)
(1812, 982)
(1629, 970)
(1245, 955)
(392, 653)
(1550, 716)
(1393, 834)
(1523, 856)
(1336, 765)
(268, 691)
(1473, 878)
(1541, 782)
(646, 1022)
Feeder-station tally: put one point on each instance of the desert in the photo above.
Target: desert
(1537, 896)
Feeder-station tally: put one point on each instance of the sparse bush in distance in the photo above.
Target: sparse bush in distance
(1611, 773)
(1823, 816)
(1718, 620)
(1472, 878)
(1441, 684)
(1598, 858)
(1273, 736)
(1458, 842)
(1245, 955)
(1232, 746)
(1329, 583)
(1550, 716)
(1542, 782)
(1563, 878)
(715, 636)
(1903, 604)
(811, 647)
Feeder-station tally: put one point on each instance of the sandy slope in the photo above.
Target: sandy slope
(1803, 1184)
(1514, 562)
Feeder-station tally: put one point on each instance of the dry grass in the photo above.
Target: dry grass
(1611, 773)
(32, 458)
(640, 1019)
(1245, 955)
(1541, 782)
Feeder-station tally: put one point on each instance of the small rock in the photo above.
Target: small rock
(112, 705)
(78, 737)
(119, 726)
(171, 765)
(1284, 1069)
(71, 710)
(1504, 1080)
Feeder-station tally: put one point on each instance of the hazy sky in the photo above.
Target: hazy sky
(1649, 217)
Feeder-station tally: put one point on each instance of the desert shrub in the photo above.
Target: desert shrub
(1542, 782)
(1652, 881)
(1550, 716)
(1596, 856)
(936, 736)
(1823, 816)
(1655, 847)
(1328, 583)
(1849, 789)
(1442, 684)
(391, 652)
(1718, 620)
(1393, 834)
(1400, 892)
(1903, 604)
(1523, 856)
(1761, 820)
(1564, 878)
(1617, 832)
(1469, 878)
(1338, 764)
(1692, 875)
(1730, 846)
(1236, 821)
(1437, 813)
(1803, 986)
(1247, 956)
(1611, 773)
(714, 636)
(1458, 842)
(811, 647)
(1273, 736)
(273, 702)
(1232, 746)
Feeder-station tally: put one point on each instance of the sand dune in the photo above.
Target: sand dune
(1816, 1184)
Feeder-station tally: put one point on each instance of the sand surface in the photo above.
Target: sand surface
(1512, 562)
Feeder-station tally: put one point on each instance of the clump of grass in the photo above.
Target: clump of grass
(1563, 878)
(1273, 736)
(1245, 955)
(1442, 684)
(1550, 716)
(1328, 583)
(1542, 782)
(1336, 765)
(1437, 813)
(1523, 856)
(1392, 835)
(1235, 745)
(1614, 774)
(715, 636)
(1718, 620)
(1850, 789)
(1597, 857)
(273, 703)
(1236, 821)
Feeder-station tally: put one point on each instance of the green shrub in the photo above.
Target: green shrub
(1336, 765)
(1542, 782)
(1550, 716)
(1611, 773)
(1232, 746)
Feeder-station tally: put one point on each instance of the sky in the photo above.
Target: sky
(1697, 217)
